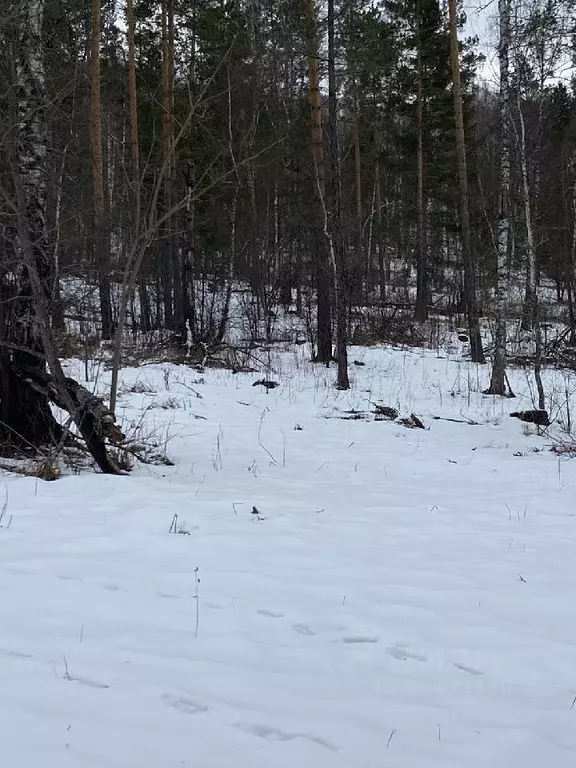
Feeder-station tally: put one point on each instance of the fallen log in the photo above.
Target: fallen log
(95, 421)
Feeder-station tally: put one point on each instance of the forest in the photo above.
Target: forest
(287, 383)
(162, 161)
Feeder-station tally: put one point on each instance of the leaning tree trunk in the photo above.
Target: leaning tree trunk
(476, 350)
(498, 380)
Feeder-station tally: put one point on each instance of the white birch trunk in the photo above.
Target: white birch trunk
(530, 299)
(498, 380)
(32, 133)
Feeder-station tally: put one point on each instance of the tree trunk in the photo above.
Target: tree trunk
(144, 299)
(422, 289)
(530, 308)
(134, 135)
(571, 283)
(334, 234)
(380, 247)
(26, 420)
(477, 352)
(23, 365)
(170, 279)
(498, 380)
(324, 330)
(101, 242)
(359, 271)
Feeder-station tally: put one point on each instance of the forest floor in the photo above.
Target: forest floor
(339, 592)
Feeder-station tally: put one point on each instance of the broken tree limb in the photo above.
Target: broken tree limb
(457, 421)
(96, 422)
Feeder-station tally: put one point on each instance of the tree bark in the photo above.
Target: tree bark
(422, 288)
(26, 420)
(324, 312)
(530, 308)
(360, 267)
(498, 379)
(476, 350)
(170, 278)
(101, 242)
(571, 283)
(380, 247)
(334, 233)
(134, 135)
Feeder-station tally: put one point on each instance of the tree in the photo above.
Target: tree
(101, 242)
(26, 419)
(324, 319)
(171, 278)
(26, 335)
(422, 287)
(498, 380)
(334, 232)
(477, 352)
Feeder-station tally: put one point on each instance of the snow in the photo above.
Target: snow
(404, 598)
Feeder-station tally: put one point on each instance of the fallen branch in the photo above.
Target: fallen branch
(457, 421)
(569, 449)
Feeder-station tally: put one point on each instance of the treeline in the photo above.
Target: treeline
(328, 155)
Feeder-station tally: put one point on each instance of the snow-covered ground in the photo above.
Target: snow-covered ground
(403, 599)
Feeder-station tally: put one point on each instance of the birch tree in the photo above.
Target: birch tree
(334, 232)
(25, 415)
(25, 326)
(498, 379)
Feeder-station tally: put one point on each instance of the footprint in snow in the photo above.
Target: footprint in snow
(359, 640)
(90, 683)
(403, 653)
(303, 629)
(67, 577)
(85, 681)
(275, 734)
(469, 670)
(270, 614)
(183, 704)
(14, 654)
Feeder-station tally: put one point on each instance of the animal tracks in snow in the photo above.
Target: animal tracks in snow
(307, 631)
(87, 682)
(275, 734)
(403, 653)
(270, 614)
(184, 704)
(469, 670)
(299, 628)
(14, 654)
(303, 629)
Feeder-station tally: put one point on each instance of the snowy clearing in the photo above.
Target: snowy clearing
(402, 599)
